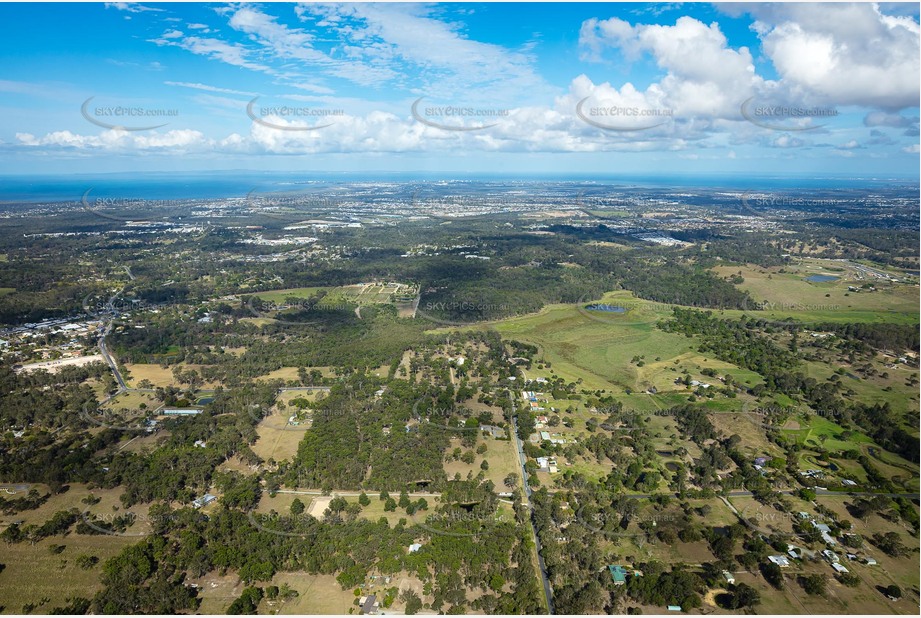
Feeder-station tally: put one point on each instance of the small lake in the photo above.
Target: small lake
(204, 401)
(606, 308)
(821, 278)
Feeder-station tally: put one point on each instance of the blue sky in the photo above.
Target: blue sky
(562, 88)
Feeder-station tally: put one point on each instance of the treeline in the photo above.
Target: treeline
(881, 336)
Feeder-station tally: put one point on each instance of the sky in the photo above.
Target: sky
(755, 88)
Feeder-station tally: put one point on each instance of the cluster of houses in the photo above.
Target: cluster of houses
(819, 474)
(533, 403)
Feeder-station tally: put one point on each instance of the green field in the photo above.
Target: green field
(597, 347)
(787, 294)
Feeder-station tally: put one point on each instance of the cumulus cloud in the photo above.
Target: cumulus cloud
(705, 76)
(843, 54)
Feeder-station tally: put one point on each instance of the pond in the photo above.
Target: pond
(821, 278)
(606, 308)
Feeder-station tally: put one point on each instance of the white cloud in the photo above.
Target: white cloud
(229, 53)
(206, 87)
(883, 119)
(705, 78)
(843, 54)
(131, 7)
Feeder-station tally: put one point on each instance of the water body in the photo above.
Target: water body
(606, 308)
(238, 183)
(821, 278)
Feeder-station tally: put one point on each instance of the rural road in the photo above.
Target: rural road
(350, 494)
(548, 591)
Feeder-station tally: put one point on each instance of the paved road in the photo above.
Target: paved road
(788, 492)
(548, 591)
(104, 350)
(304, 388)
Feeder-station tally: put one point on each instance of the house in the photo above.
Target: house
(851, 556)
(780, 561)
(415, 547)
(674, 608)
(545, 435)
(368, 605)
(793, 552)
(760, 461)
(203, 501)
(849, 483)
(830, 555)
(618, 574)
(840, 568)
(729, 577)
(201, 443)
(548, 464)
(493, 430)
(870, 561)
(825, 530)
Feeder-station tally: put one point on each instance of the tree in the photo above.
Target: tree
(297, 507)
(813, 584)
(744, 595)
(849, 579)
(363, 499)
(894, 591)
(773, 574)
(484, 465)
(413, 602)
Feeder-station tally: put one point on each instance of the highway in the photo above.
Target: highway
(104, 350)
